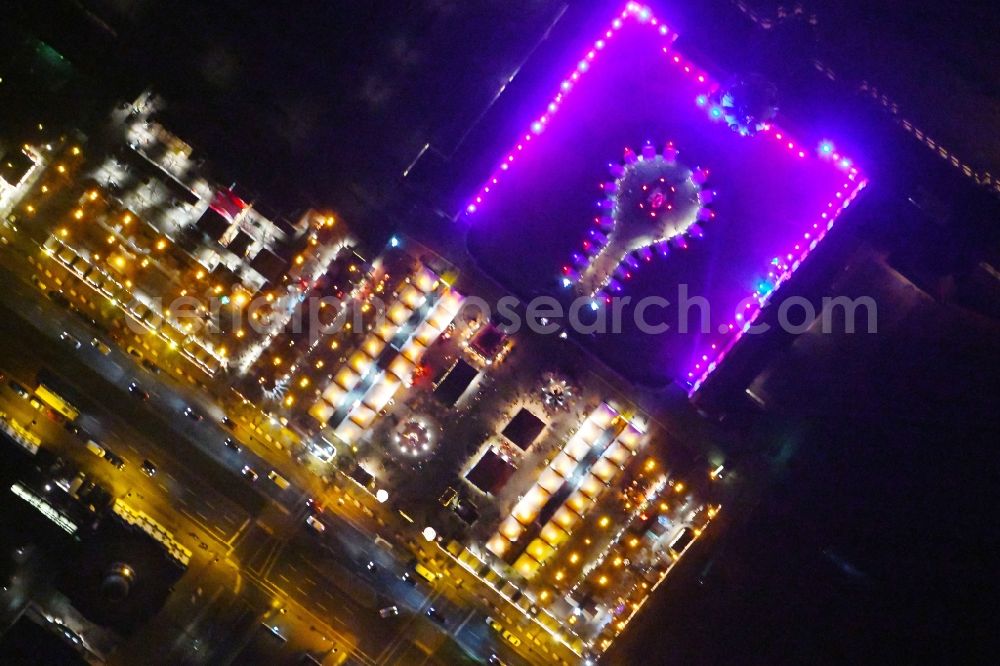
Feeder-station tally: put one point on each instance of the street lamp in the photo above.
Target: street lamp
(429, 533)
(382, 495)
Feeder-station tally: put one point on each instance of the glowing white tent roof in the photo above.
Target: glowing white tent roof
(381, 393)
(527, 509)
(553, 534)
(412, 297)
(592, 487)
(321, 411)
(349, 431)
(425, 280)
(360, 362)
(346, 378)
(334, 393)
(402, 367)
(604, 470)
(363, 415)
(551, 480)
(373, 346)
(398, 313)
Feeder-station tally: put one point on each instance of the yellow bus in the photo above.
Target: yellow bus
(56, 402)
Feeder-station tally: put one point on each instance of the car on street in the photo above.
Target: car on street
(116, 460)
(192, 414)
(249, 473)
(150, 366)
(148, 468)
(511, 638)
(315, 524)
(134, 353)
(494, 625)
(96, 448)
(59, 298)
(19, 389)
(137, 391)
(389, 611)
(278, 480)
(85, 488)
(436, 615)
(495, 661)
(228, 422)
(100, 346)
(233, 444)
(408, 579)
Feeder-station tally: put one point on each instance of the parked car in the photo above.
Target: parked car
(233, 444)
(249, 473)
(148, 468)
(150, 366)
(19, 389)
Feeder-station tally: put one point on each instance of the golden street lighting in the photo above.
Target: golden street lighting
(30, 208)
(304, 382)
(603, 580)
(679, 488)
(161, 244)
(127, 219)
(650, 465)
(78, 214)
(277, 360)
(574, 558)
(60, 168)
(289, 401)
(299, 260)
(560, 575)
(240, 333)
(75, 150)
(119, 262)
(45, 188)
(200, 274)
(604, 521)
(92, 195)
